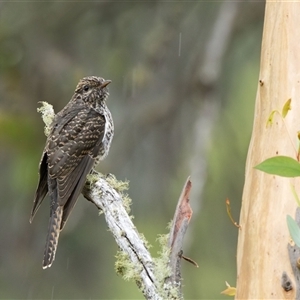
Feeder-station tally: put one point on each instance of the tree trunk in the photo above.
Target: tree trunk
(262, 254)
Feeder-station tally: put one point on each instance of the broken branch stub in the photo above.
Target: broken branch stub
(180, 224)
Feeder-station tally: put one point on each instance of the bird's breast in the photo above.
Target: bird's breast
(107, 137)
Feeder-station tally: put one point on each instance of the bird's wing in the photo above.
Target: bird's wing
(60, 120)
(71, 157)
(83, 168)
(42, 188)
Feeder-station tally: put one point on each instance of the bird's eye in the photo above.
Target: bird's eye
(86, 88)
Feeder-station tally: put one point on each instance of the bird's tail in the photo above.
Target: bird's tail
(52, 237)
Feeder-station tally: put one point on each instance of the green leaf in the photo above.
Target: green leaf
(293, 229)
(270, 118)
(286, 108)
(280, 165)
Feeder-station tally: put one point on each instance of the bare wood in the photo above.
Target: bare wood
(180, 224)
(262, 254)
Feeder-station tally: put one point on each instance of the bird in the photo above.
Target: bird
(81, 135)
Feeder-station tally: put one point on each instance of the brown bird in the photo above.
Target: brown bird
(81, 135)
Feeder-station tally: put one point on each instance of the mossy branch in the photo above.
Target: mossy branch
(154, 277)
(134, 260)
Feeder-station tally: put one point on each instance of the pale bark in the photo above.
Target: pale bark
(111, 204)
(262, 254)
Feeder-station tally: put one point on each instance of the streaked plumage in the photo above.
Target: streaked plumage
(81, 135)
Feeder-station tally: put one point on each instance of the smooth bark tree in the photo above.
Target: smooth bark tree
(262, 253)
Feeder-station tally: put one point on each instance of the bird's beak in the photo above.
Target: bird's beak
(105, 83)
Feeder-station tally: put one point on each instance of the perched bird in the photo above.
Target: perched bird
(81, 135)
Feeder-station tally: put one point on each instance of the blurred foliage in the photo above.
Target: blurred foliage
(151, 51)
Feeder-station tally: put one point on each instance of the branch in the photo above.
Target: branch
(110, 202)
(180, 224)
(139, 264)
(158, 278)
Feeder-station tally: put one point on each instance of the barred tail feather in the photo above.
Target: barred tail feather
(52, 237)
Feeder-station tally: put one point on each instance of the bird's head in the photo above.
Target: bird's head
(93, 89)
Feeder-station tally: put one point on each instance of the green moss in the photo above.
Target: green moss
(170, 224)
(162, 270)
(48, 115)
(161, 263)
(127, 269)
(120, 186)
(92, 178)
(146, 243)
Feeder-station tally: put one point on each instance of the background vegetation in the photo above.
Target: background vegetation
(179, 109)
